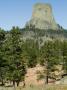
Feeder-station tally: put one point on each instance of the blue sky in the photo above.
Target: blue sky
(18, 12)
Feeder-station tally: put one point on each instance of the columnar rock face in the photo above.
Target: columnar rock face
(42, 17)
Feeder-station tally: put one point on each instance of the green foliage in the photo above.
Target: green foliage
(64, 48)
(16, 55)
(51, 54)
(3, 62)
(31, 49)
(13, 55)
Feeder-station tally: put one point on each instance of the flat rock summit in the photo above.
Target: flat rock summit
(42, 17)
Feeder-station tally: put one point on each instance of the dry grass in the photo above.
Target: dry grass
(42, 87)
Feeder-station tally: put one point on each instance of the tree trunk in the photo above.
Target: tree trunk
(17, 83)
(47, 72)
(14, 83)
(23, 84)
(2, 82)
(2, 79)
(46, 80)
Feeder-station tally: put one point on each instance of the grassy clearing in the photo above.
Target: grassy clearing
(47, 87)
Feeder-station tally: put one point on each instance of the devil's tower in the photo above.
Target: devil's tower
(42, 17)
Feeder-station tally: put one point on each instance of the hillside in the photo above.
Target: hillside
(43, 35)
(35, 55)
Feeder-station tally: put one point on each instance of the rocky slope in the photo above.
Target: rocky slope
(42, 17)
(42, 25)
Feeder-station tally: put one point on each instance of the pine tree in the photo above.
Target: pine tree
(17, 69)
